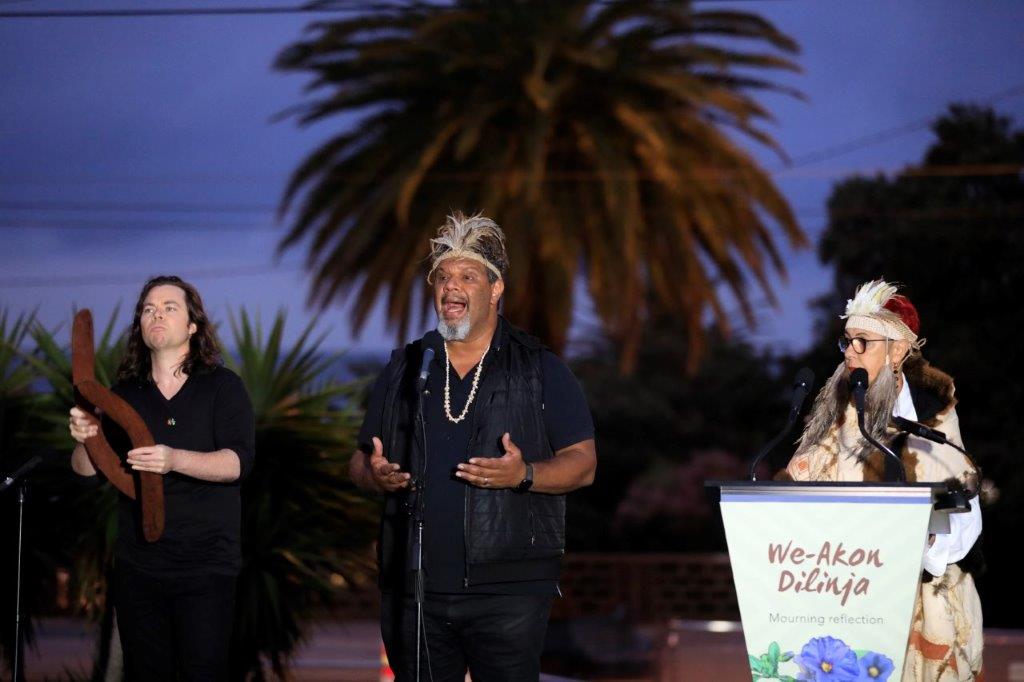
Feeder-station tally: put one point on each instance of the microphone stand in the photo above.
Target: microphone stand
(859, 388)
(418, 582)
(901, 473)
(801, 388)
(16, 670)
(768, 448)
(19, 478)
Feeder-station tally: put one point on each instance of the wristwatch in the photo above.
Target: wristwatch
(527, 481)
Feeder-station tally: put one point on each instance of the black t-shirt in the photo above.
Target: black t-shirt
(202, 530)
(567, 421)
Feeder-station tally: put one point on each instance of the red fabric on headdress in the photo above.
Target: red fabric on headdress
(902, 306)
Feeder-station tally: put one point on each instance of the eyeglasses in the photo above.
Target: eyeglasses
(859, 345)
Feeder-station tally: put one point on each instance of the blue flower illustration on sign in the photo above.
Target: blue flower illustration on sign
(874, 667)
(822, 659)
(827, 659)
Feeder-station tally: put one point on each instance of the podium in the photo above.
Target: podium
(826, 573)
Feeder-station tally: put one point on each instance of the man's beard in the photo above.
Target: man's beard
(831, 404)
(454, 332)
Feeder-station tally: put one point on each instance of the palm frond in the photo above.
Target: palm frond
(588, 130)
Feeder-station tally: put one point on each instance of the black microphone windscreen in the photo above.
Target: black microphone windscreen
(859, 378)
(904, 424)
(428, 357)
(805, 378)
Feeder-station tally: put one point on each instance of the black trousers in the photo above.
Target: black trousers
(497, 637)
(174, 628)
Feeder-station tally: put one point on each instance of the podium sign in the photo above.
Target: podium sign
(826, 575)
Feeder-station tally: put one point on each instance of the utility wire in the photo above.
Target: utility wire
(89, 208)
(134, 207)
(106, 278)
(887, 134)
(132, 13)
(143, 226)
(335, 7)
(951, 170)
(138, 226)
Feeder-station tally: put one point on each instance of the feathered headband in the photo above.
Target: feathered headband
(476, 237)
(878, 308)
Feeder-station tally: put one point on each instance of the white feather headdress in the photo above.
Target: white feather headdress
(476, 237)
(866, 310)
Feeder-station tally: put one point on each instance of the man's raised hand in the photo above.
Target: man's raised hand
(506, 471)
(386, 475)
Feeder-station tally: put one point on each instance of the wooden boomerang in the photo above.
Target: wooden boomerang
(90, 394)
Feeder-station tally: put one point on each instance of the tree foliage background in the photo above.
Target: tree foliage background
(951, 230)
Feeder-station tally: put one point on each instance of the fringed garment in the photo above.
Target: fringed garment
(945, 642)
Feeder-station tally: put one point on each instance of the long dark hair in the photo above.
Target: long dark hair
(203, 348)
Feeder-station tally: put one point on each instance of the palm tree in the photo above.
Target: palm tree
(596, 132)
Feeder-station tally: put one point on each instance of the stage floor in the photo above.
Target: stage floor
(350, 652)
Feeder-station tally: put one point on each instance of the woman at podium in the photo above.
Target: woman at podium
(882, 337)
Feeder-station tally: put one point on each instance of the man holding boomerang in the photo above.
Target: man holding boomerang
(174, 597)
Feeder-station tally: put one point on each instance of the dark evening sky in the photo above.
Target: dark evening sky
(130, 147)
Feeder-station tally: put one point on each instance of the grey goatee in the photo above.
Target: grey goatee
(453, 332)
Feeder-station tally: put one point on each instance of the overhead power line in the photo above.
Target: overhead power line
(862, 142)
(951, 170)
(209, 11)
(139, 226)
(143, 226)
(87, 215)
(106, 278)
(134, 207)
(334, 7)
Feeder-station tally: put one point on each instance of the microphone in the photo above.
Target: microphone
(859, 388)
(920, 430)
(802, 384)
(421, 379)
(21, 472)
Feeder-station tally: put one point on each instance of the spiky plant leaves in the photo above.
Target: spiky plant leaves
(306, 531)
(67, 523)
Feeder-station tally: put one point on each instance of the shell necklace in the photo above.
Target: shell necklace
(447, 387)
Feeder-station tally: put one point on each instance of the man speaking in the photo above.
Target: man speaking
(505, 434)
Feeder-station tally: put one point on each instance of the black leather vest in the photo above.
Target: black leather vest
(509, 536)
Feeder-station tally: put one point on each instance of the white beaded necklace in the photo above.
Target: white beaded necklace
(447, 386)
